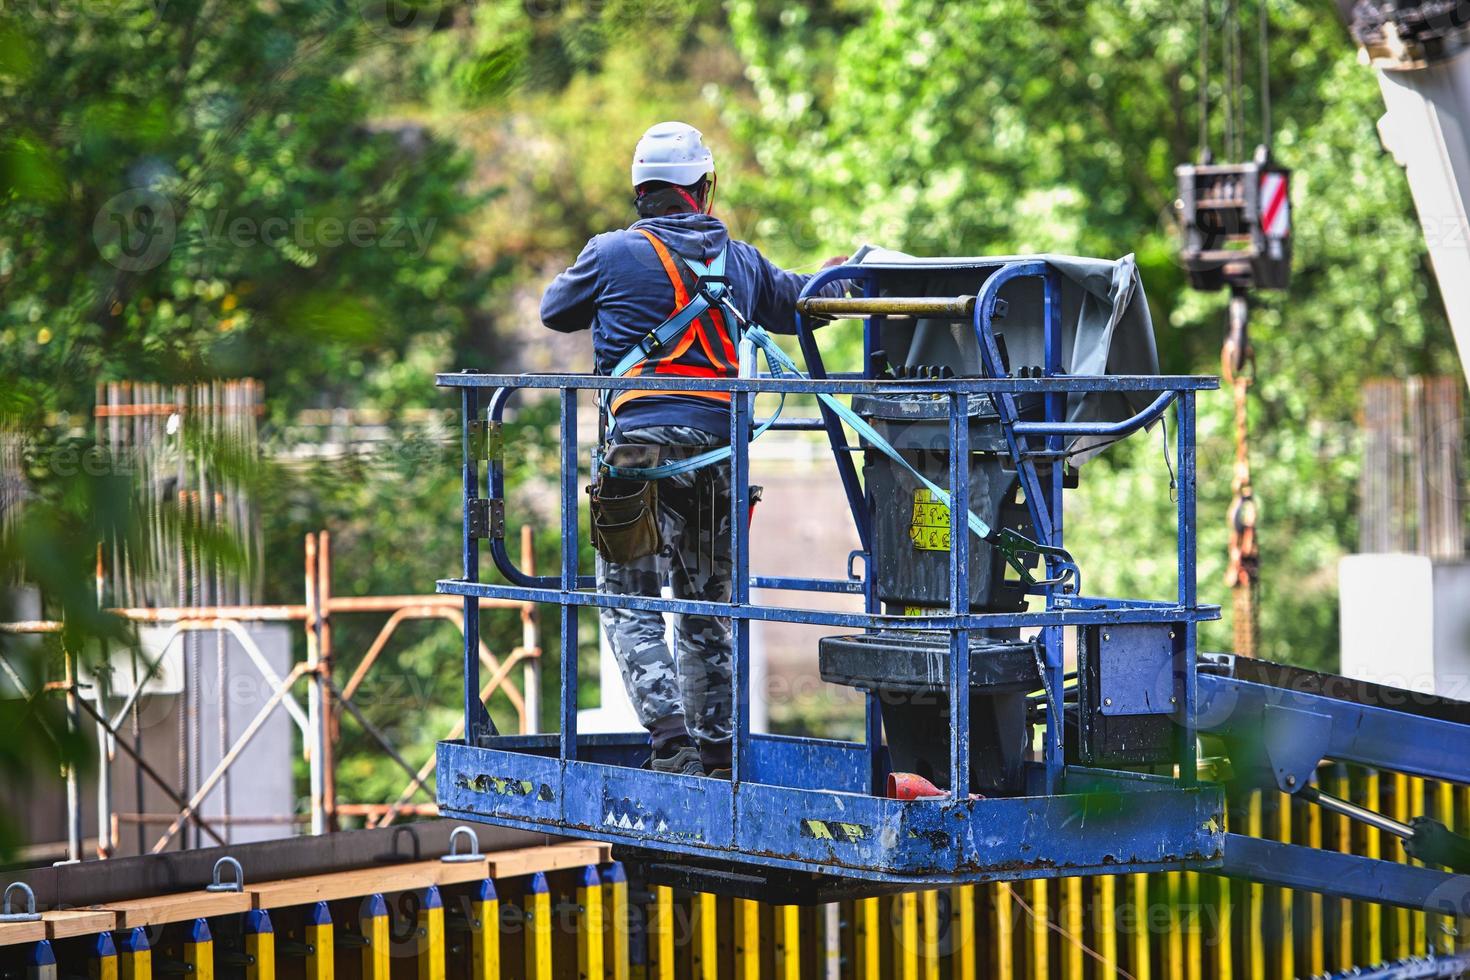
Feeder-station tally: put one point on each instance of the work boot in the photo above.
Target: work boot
(715, 757)
(676, 755)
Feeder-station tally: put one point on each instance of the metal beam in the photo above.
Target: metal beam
(1383, 738)
(1345, 875)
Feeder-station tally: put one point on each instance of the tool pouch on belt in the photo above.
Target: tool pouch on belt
(625, 512)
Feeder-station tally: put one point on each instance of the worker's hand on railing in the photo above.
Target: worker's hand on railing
(835, 261)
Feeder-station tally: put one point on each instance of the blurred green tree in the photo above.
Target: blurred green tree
(1009, 127)
(191, 190)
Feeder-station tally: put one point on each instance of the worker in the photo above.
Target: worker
(624, 285)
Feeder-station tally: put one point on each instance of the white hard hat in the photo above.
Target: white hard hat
(673, 152)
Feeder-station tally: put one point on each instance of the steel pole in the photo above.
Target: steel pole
(104, 766)
(316, 729)
(73, 791)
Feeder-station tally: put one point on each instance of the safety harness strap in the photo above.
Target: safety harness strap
(712, 287)
(1011, 544)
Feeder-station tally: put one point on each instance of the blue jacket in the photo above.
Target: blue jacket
(619, 288)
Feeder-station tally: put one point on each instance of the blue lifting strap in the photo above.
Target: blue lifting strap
(1011, 544)
(711, 288)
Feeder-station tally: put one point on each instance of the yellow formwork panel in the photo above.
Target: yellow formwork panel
(1178, 924)
(1346, 910)
(260, 946)
(1373, 848)
(661, 934)
(1256, 900)
(867, 938)
(619, 922)
(1286, 912)
(1072, 923)
(962, 933)
(431, 952)
(1140, 955)
(590, 925)
(1194, 954)
(1040, 946)
(1402, 923)
(1004, 898)
(538, 929)
(321, 956)
(705, 922)
(376, 950)
(747, 939)
(906, 949)
(484, 932)
(199, 951)
(1107, 927)
(1316, 936)
(929, 934)
(1464, 825)
(1444, 811)
(135, 956)
(1224, 934)
(102, 964)
(788, 942)
(1418, 938)
(1174, 924)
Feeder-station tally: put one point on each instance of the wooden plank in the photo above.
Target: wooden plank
(66, 923)
(178, 907)
(287, 892)
(557, 857)
(414, 875)
(12, 933)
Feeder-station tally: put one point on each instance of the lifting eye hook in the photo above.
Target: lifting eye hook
(455, 854)
(219, 884)
(30, 914)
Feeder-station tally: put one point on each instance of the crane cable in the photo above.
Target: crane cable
(1237, 356)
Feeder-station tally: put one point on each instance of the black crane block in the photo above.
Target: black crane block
(1235, 222)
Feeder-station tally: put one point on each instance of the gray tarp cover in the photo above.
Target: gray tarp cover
(1107, 327)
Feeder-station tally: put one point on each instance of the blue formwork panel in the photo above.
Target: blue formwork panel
(1113, 823)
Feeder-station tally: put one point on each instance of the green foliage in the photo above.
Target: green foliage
(196, 190)
(192, 190)
(1008, 127)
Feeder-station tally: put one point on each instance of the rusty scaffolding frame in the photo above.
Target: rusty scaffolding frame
(318, 721)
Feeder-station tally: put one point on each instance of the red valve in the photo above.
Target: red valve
(912, 786)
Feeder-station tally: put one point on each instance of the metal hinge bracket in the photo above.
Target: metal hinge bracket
(487, 440)
(487, 518)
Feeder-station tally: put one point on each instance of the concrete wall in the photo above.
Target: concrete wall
(1406, 622)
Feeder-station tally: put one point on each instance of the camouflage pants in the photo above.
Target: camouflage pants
(694, 516)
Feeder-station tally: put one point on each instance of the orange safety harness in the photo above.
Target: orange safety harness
(703, 347)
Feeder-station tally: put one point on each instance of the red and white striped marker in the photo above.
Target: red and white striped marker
(1275, 211)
